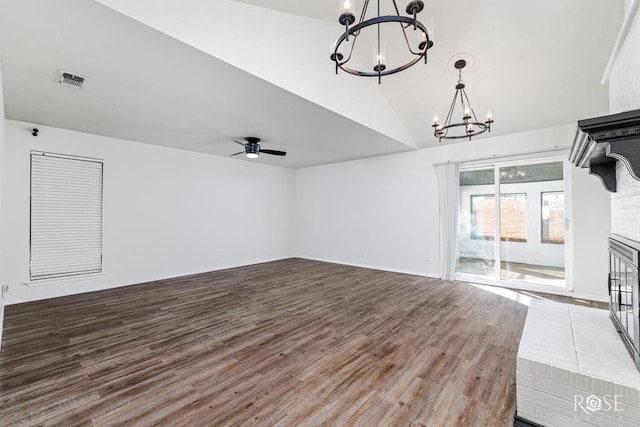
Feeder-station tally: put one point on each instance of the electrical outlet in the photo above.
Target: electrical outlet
(5, 290)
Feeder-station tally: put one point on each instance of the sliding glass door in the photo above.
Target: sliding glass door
(512, 224)
(476, 223)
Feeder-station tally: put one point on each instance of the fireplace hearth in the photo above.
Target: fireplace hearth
(624, 304)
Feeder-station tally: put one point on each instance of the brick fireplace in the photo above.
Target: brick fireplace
(580, 365)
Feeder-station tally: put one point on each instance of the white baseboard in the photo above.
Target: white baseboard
(523, 287)
(62, 293)
(374, 267)
(1, 321)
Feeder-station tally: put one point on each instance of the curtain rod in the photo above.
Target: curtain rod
(505, 156)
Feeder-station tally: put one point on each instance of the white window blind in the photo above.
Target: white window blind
(66, 216)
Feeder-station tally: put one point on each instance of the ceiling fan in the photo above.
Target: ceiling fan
(253, 149)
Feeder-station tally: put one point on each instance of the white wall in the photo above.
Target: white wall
(624, 79)
(379, 212)
(167, 212)
(382, 212)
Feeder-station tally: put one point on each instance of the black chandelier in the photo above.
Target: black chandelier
(469, 126)
(346, 42)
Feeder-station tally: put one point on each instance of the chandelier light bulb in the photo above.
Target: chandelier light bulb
(489, 116)
(379, 59)
(347, 6)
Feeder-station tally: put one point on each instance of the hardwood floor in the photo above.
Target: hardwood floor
(286, 343)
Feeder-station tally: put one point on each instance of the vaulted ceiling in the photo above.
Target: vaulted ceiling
(196, 74)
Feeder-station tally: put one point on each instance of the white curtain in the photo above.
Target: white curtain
(449, 189)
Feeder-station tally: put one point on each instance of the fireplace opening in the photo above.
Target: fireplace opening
(624, 304)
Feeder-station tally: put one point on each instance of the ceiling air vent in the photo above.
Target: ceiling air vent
(70, 80)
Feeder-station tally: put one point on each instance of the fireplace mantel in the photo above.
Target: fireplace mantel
(603, 141)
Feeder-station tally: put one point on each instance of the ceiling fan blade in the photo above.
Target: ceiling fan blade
(273, 152)
(239, 152)
(238, 142)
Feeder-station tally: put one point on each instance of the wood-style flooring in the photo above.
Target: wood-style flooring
(286, 343)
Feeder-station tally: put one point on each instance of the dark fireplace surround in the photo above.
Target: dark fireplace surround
(623, 292)
(599, 144)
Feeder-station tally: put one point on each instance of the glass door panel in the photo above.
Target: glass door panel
(532, 223)
(476, 223)
(512, 223)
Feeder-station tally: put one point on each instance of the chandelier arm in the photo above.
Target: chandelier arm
(404, 27)
(404, 33)
(351, 50)
(407, 41)
(361, 20)
(395, 6)
(338, 63)
(353, 45)
(452, 109)
(462, 105)
(364, 11)
(473, 113)
(447, 121)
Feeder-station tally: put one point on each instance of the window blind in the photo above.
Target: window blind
(66, 216)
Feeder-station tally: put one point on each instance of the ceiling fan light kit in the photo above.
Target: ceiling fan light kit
(253, 148)
(347, 41)
(470, 126)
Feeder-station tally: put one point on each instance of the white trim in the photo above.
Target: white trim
(1, 320)
(514, 286)
(58, 280)
(515, 156)
(569, 247)
(553, 290)
(373, 267)
(104, 287)
(496, 164)
(66, 156)
(622, 36)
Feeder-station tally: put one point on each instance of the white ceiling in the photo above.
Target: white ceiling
(537, 64)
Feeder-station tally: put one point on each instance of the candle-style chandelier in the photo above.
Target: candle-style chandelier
(469, 126)
(396, 26)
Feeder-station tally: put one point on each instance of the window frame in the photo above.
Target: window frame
(542, 239)
(472, 217)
